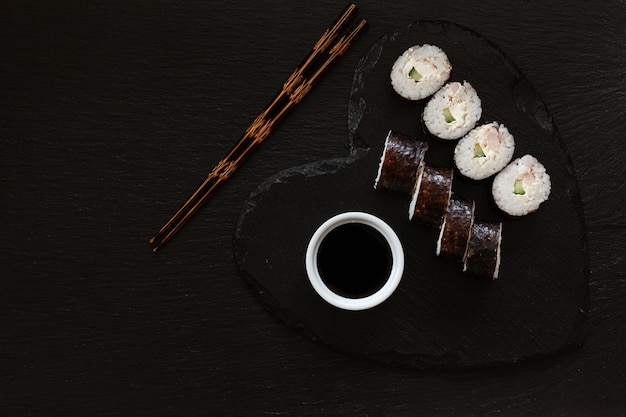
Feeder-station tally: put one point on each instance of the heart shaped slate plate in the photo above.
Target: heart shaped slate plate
(439, 317)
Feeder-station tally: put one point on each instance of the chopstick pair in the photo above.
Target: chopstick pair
(332, 44)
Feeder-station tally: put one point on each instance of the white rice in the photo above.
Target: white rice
(416, 192)
(521, 187)
(428, 62)
(381, 163)
(461, 102)
(484, 151)
(496, 270)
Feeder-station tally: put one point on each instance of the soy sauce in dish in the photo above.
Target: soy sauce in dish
(354, 260)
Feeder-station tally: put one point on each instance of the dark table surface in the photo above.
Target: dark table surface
(112, 112)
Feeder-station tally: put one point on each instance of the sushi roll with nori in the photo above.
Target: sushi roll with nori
(456, 229)
(431, 194)
(483, 250)
(401, 163)
(484, 151)
(521, 187)
(453, 111)
(420, 71)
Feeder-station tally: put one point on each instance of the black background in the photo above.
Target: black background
(112, 112)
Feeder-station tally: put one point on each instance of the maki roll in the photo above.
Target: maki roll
(401, 163)
(456, 228)
(452, 111)
(521, 187)
(420, 71)
(431, 194)
(483, 250)
(484, 151)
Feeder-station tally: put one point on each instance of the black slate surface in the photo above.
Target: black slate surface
(439, 317)
(111, 113)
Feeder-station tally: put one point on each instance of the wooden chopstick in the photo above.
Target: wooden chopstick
(316, 63)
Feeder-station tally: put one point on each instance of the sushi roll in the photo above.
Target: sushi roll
(452, 111)
(456, 229)
(420, 71)
(521, 187)
(483, 250)
(431, 194)
(401, 163)
(484, 151)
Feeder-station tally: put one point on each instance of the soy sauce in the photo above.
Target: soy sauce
(354, 260)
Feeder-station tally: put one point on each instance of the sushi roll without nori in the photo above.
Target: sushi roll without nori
(431, 194)
(484, 151)
(401, 163)
(456, 228)
(483, 250)
(521, 187)
(420, 71)
(453, 111)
